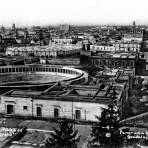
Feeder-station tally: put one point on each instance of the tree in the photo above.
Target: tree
(106, 131)
(63, 137)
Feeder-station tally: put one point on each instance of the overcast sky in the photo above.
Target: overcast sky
(46, 12)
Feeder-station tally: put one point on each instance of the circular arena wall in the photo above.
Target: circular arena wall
(40, 75)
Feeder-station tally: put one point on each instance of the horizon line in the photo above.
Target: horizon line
(71, 24)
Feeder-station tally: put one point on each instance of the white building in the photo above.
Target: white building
(96, 48)
(72, 102)
(52, 50)
(118, 46)
(128, 46)
(132, 39)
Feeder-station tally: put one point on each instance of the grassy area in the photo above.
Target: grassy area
(83, 130)
(34, 137)
(38, 124)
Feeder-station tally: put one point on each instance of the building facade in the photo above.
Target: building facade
(97, 48)
(71, 102)
(52, 50)
(64, 27)
(113, 61)
(127, 47)
(117, 47)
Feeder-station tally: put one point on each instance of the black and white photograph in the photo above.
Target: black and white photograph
(73, 74)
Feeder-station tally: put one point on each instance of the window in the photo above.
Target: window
(13, 69)
(39, 111)
(25, 107)
(146, 67)
(20, 69)
(55, 69)
(78, 114)
(56, 112)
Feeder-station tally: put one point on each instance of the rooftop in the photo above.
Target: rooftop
(11, 59)
(101, 93)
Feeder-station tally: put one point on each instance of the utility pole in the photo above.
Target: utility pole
(72, 108)
(32, 108)
(73, 116)
(85, 114)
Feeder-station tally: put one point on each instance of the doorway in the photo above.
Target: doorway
(39, 111)
(78, 114)
(10, 109)
(56, 112)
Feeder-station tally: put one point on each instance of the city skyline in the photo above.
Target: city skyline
(89, 12)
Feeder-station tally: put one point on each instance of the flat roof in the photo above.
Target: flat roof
(76, 93)
(26, 92)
